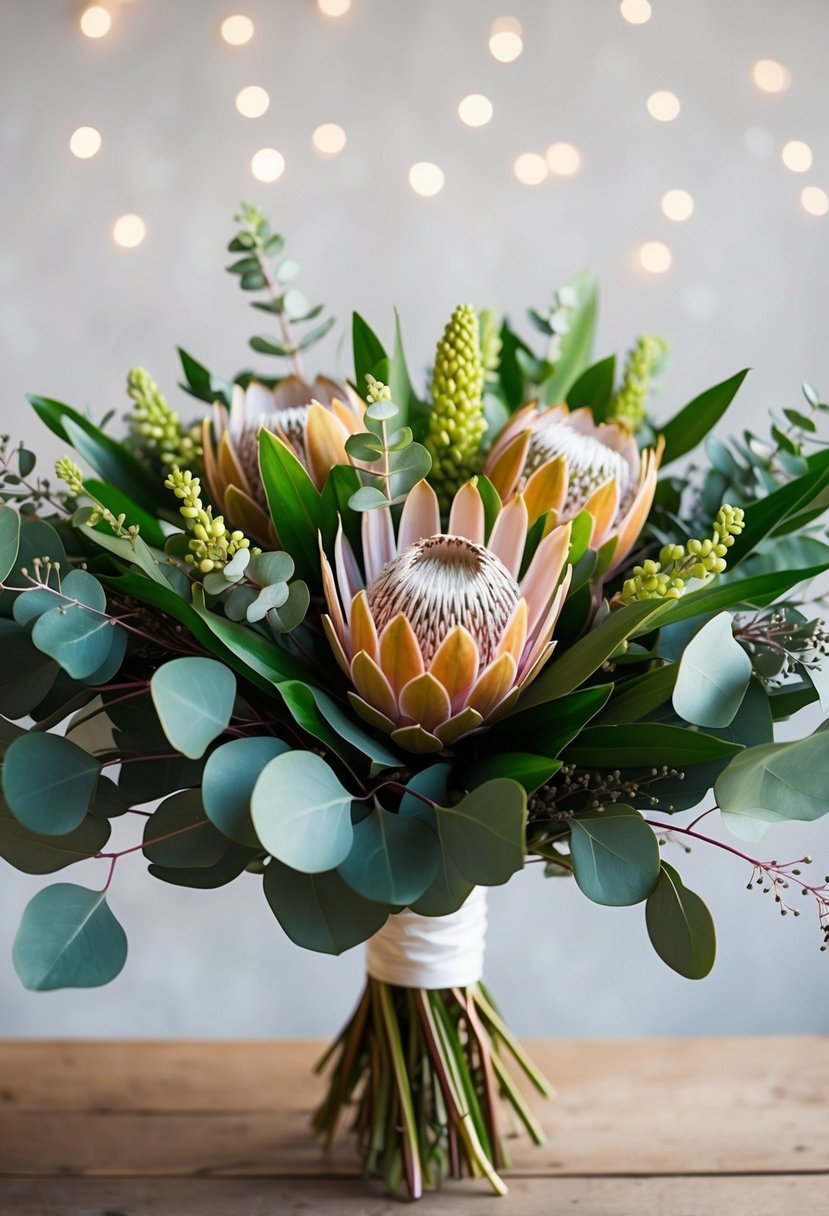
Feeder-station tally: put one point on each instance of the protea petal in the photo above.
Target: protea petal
(602, 507)
(332, 595)
(504, 469)
(420, 517)
(493, 685)
(325, 438)
(509, 534)
(546, 489)
(378, 541)
(336, 645)
(455, 664)
(400, 657)
(363, 631)
(248, 515)
(634, 519)
(515, 635)
(348, 571)
(230, 468)
(416, 739)
(372, 685)
(371, 715)
(544, 571)
(466, 517)
(461, 724)
(425, 702)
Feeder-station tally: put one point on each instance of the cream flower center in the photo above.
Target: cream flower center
(289, 424)
(590, 463)
(444, 581)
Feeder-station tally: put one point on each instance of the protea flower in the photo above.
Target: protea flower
(439, 634)
(314, 420)
(567, 463)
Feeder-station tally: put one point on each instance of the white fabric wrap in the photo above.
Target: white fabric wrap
(431, 951)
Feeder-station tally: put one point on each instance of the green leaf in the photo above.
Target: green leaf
(645, 744)
(68, 938)
(192, 840)
(320, 911)
(77, 635)
(253, 656)
(636, 698)
(773, 782)
(9, 540)
(594, 388)
(114, 498)
(766, 516)
(577, 344)
(589, 653)
(399, 380)
(528, 770)
(449, 889)
(368, 351)
(49, 782)
(229, 776)
(302, 812)
(36, 853)
(265, 345)
(690, 426)
(367, 498)
(291, 614)
(546, 729)
(193, 698)
(484, 834)
(111, 460)
(200, 383)
(316, 334)
(365, 446)
(342, 482)
(394, 858)
(316, 712)
(615, 856)
(294, 501)
(680, 926)
(714, 673)
(26, 673)
(408, 467)
(759, 590)
(206, 878)
(271, 597)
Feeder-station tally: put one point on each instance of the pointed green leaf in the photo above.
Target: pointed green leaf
(690, 426)
(194, 700)
(714, 673)
(615, 856)
(320, 911)
(680, 926)
(68, 938)
(393, 859)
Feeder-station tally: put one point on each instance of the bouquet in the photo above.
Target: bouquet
(377, 648)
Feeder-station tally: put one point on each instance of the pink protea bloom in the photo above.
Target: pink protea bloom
(313, 420)
(565, 462)
(439, 634)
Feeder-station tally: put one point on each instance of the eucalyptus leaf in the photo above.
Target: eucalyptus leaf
(680, 926)
(393, 859)
(194, 699)
(68, 938)
(291, 614)
(9, 540)
(714, 673)
(774, 782)
(302, 812)
(484, 835)
(49, 782)
(615, 855)
(229, 776)
(320, 911)
(178, 833)
(36, 853)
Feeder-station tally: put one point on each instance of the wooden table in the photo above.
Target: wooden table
(678, 1127)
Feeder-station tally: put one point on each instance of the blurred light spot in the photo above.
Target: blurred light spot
(333, 8)
(654, 256)
(797, 156)
(505, 41)
(95, 21)
(475, 110)
(252, 101)
(425, 178)
(530, 168)
(663, 105)
(759, 142)
(771, 76)
(814, 200)
(237, 30)
(267, 164)
(329, 139)
(85, 142)
(677, 205)
(563, 159)
(637, 12)
(129, 231)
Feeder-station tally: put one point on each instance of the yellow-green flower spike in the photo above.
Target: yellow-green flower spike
(491, 344)
(697, 559)
(456, 423)
(71, 474)
(629, 403)
(156, 428)
(211, 545)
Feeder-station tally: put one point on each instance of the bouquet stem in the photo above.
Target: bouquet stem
(428, 1075)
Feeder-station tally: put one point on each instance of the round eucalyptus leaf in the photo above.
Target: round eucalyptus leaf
(194, 700)
(272, 596)
(615, 856)
(302, 813)
(34, 853)
(49, 782)
(680, 926)
(484, 835)
(237, 603)
(320, 911)
(26, 673)
(230, 774)
(230, 865)
(31, 604)
(267, 568)
(714, 673)
(76, 635)
(394, 858)
(775, 781)
(68, 938)
(9, 540)
(291, 614)
(178, 833)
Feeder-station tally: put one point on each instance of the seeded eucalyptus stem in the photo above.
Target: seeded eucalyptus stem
(284, 323)
(425, 1075)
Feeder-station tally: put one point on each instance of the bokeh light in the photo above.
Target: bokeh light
(237, 30)
(530, 168)
(426, 178)
(252, 101)
(663, 105)
(814, 200)
(267, 165)
(677, 205)
(797, 156)
(637, 12)
(654, 256)
(128, 231)
(85, 142)
(505, 41)
(771, 76)
(475, 110)
(96, 21)
(333, 8)
(563, 159)
(329, 139)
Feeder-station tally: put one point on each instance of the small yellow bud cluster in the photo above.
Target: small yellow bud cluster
(211, 545)
(630, 401)
(666, 577)
(157, 428)
(456, 422)
(71, 473)
(377, 391)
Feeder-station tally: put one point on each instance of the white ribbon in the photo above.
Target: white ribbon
(415, 951)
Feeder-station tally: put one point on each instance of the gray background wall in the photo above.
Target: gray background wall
(747, 287)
